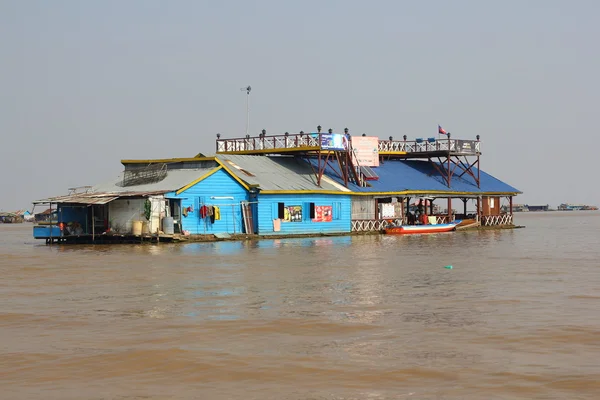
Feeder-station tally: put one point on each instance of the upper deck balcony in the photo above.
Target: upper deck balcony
(429, 147)
(313, 142)
(274, 144)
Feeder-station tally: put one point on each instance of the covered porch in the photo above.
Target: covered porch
(375, 213)
(109, 217)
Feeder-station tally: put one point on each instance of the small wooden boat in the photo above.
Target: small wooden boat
(418, 229)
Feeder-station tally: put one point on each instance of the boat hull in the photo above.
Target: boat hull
(419, 229)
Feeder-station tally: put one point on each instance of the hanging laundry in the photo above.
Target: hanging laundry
(211, 214)
(185, 212)
(217, 212)
(203, 211)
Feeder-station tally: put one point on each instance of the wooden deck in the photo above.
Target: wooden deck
(115, 239)
(311, 142)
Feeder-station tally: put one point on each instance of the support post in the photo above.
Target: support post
(449, 209)
(402, 213)
(93, 226)
(510, 203)
(449, 173)
(478, 172)
(233, 217)
(465, 207)
(478, 167)
(319, 163)
(51, 240)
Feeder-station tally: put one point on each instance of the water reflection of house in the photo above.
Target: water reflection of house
(284, 185)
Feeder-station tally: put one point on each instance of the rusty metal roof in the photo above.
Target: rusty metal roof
(279, 173)
(106, 192)
(82, 198)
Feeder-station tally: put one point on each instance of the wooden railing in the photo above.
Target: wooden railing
(376, 225)
(373, 225)
(275, 142)
(429, 145)
(494, 220)
(311, 141)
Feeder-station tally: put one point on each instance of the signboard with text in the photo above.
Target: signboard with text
(333, 141)
(323, 214)
(465, 146)
(292, 214)
(365, 151)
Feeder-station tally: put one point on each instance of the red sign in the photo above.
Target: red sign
(323, 214)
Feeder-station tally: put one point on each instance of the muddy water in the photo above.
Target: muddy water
(518, 317)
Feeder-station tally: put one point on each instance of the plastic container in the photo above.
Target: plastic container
(168, 226)
(137, 228)
(145, 228)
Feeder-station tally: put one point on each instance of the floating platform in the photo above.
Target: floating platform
(114, 239)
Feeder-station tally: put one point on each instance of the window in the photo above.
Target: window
(337, 210)
(311, 208)
(280, 210)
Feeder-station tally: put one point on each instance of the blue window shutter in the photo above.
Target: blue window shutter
(337, 210)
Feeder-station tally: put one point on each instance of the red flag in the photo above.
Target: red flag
(442, 131)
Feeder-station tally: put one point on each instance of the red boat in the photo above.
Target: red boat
(418, 229)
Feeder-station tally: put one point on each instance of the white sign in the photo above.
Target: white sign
(365, 151)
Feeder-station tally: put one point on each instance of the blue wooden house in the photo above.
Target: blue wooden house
(286, 198)
(213, 203)
(230, 194)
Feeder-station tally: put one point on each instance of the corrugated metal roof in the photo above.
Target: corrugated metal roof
(416, 175)
(81, 198)
(176, 179)
(275, 173)
(112, 190)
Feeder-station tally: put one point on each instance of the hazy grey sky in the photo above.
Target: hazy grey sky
(85, 84)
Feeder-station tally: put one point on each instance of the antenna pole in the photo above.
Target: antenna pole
(248, 111)
(247, 89)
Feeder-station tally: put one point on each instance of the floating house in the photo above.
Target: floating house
(382, 176)
(291, 184)
(10, 217)
(286, 197)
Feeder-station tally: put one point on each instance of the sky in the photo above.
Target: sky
(86, 84)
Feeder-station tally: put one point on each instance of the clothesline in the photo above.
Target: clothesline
(232, 204)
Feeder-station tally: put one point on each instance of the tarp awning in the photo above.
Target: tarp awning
(78, 199)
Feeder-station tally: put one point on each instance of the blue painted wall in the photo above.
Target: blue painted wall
(219, 184)
(268, 211)
(73, 213)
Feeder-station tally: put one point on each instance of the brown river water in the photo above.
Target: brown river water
(374, 317)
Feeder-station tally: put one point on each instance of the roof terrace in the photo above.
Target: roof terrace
(301, 142)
